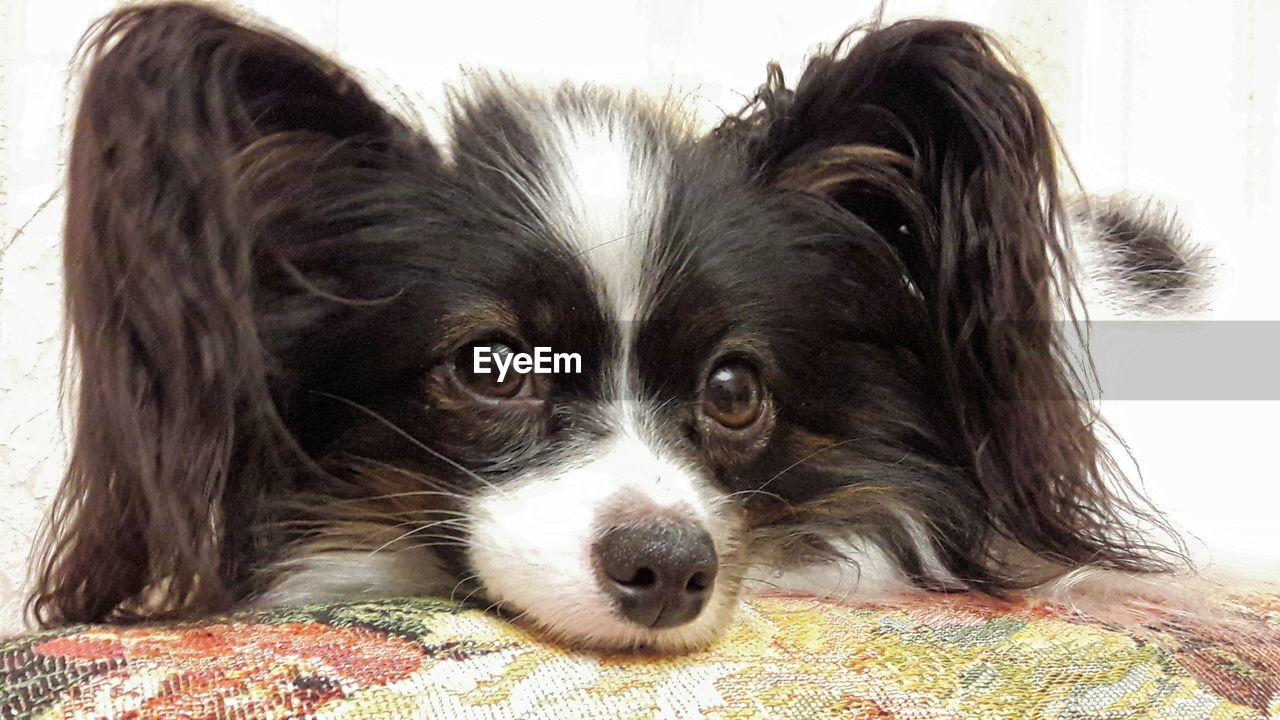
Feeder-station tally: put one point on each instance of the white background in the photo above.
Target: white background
(1173, 99)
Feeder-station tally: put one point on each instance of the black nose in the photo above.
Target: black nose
(660, 573)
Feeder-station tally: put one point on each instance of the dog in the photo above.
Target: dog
(819, 348)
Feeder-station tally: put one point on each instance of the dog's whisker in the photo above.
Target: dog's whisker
(807, 458)
(407, 436)
(430, 482)
(469, 577)
(459, 522)
(467, 599)
(420, 532)
(374, 500)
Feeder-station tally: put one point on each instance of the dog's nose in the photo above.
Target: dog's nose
(661, 573)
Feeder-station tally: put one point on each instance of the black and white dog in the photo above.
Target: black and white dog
(817, 348)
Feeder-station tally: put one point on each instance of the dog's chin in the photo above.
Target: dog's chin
(563, 550)
(560, 597)
(591, 623)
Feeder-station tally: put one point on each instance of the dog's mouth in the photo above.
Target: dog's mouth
(609, 564)
(646, 594)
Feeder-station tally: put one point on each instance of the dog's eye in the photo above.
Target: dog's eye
(487, 368)
(733, 396)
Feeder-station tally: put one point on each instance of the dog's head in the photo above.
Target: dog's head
(828, 322)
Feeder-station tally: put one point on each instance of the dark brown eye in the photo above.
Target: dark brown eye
(487, 368)
(733, 396)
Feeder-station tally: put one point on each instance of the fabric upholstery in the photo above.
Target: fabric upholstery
(958, 656)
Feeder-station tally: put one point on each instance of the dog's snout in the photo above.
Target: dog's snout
(661, 573)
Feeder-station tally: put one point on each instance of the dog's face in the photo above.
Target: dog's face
(824, 324)
(614, 500)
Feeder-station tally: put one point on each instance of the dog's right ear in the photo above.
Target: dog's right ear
(216, 173)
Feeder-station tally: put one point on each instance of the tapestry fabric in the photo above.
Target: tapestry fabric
(786, 656)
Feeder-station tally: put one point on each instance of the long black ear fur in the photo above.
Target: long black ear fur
(213, 171)
(925, 130)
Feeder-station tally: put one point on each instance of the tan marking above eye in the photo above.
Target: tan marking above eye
(733, 395)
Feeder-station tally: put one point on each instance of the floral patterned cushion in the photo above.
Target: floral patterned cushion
(786, 657)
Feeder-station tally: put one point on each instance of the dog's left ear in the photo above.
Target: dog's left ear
(925, 131)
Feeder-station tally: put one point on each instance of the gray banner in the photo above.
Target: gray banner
(1184, 360)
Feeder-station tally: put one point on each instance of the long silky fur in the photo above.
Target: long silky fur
(926, 131)
(203, 215)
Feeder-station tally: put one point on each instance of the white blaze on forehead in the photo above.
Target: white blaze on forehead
(607, 187)
(531, 539)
